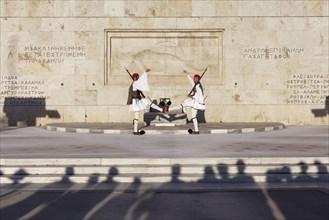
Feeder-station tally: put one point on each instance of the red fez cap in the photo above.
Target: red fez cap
(136, 75)
(197, 76)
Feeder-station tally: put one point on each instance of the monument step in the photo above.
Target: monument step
(161, 161)
(164, 169)
(84, 170)
(160, 178)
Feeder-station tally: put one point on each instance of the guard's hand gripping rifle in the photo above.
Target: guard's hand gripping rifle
(197, 83)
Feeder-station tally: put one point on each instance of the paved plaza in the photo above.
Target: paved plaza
(295, 141)
(248, 200)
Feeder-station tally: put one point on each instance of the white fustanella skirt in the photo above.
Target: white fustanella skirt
(139, 105)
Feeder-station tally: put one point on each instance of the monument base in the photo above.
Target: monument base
(166, 119)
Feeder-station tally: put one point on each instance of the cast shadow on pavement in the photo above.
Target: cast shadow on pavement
(128, 201)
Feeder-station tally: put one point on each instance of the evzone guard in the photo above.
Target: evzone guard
(136, 99)
(195, 101)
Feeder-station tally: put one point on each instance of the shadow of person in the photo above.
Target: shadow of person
(208, 176)
(175, 173)
(322, 171)
(136, 182)
(69, 171)
(241, 176)
(94, 178)
(18, 176)
(223, 173)
(76, 202)
(282, 175)
(39, 200)
(118, 205)
(112, 173)
(303, 176)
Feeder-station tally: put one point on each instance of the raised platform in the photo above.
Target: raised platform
(205, 128)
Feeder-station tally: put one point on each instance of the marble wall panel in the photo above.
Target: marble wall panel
(52, 24)
(64, 8)
(213, 113)
(273, 113)
(180, 8)
(270, 97)
(315, 8)
(10, 24)
(40, 8)
(292, 8)
(113, 95)
(136, 8)
(30, 24)
(97, 114)
(114, 8)
(300, 116)
(14, 8)
(227, 8)
(85, 97)
(157, 8)
(74, 113)
(120, 114)
(204, 8)
(164, 8)
(62, 97)
(239, 85)
(89, 67)
(286, 23)
(260, 8)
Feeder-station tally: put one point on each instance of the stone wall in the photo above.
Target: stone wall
(63, 61)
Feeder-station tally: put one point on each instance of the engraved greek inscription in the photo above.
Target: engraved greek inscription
(17, 88)
(307, 89)
(51, 54)
(267, 53)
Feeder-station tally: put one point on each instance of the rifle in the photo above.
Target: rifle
(198, 82)
(129, 73)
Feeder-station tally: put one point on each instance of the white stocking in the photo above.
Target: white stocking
(136, 114)
(194, 119)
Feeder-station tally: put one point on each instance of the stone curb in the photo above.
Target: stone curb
(158, 132)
